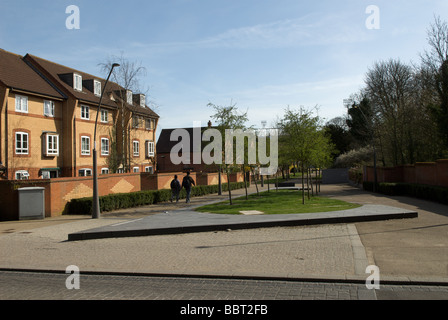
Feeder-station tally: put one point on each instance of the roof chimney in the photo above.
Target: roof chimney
(140, 99)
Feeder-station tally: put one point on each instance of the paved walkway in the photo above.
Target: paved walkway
(405, 250)
(187, 220)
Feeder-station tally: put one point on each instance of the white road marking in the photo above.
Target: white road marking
(119, 224)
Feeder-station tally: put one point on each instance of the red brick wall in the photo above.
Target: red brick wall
(58, 192)
(429, 173)
(442, 172)
(9, 201)
(164, 164)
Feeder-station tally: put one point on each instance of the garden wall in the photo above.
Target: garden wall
(427, 173)
(60, 191)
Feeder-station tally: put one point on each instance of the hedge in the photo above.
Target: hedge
(426, 192)
(142, 198)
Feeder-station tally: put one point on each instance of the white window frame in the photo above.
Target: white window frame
(51, 139)
(21, 149)
(85, 152)
(135, 122)
(105, 146)
(135, 144)
(49, 108)
(104, 116)
(84, 172)
(77, 82)
(97, 88)
(21, 103)
(45, 175)
(105, 171)
(85, 112)
(24, 175)
(150, 147)
(136, 169)
(149, 169)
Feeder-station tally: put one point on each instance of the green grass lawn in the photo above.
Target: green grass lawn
(278, 202)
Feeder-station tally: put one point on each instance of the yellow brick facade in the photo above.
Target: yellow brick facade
(50, 134)
(35, 125)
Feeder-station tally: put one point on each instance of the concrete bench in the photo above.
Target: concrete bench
(285, 185)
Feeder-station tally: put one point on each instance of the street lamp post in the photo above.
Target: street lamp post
(96, 200)
(372, 132)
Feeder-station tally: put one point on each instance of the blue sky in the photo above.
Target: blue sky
(263, 55)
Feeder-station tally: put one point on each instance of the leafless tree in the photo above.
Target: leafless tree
(128, 76)
(438, 42)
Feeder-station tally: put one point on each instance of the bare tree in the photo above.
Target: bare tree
(438, 42)
(435, 67)
(390, 86)
(128, 77)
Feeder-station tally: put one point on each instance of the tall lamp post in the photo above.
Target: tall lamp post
(96, 200)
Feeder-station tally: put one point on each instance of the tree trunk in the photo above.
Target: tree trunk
(228, 186)
(255, 179)
(303, 185)
(245, 181)
(311, 181)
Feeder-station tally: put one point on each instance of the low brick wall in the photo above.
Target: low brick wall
(428, 173)
(60, 191)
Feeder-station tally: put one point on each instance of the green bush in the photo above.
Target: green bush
(426, 192)
(137, 199)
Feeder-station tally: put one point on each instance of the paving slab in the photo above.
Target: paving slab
(188, 221)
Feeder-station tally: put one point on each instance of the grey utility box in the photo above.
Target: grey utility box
(31, 203)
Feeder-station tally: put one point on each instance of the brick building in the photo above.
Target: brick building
(165, 147)
(47, 120)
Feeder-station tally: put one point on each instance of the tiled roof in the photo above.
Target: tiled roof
(17, 74)
(40, 76)
(59, 74)
(136, 108)
(165, 145)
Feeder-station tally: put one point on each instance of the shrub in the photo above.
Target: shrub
(426, 192)
(354, 158)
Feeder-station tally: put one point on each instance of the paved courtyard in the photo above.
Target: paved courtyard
(407, 251)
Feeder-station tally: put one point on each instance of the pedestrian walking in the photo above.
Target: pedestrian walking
(175, 189)
(187, 183)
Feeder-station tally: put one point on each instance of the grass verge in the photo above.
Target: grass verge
(278, 202)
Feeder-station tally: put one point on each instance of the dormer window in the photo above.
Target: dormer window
(97, 88)
(77, 82)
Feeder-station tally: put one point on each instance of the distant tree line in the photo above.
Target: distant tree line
(401, 113)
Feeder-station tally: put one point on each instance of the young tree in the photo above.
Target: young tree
(303, 139)
(228, 118)
(114, 159)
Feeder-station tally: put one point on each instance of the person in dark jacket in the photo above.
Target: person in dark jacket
(175, 189)
(187, 183)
